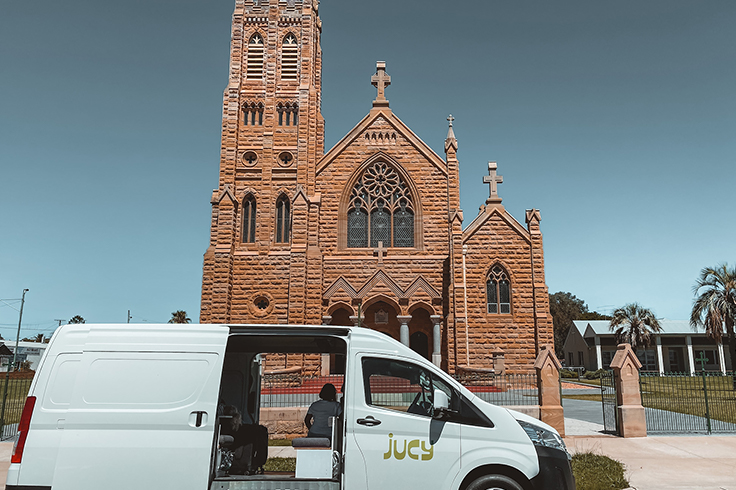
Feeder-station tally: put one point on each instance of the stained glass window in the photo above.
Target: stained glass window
(498, 291)
(382, 195)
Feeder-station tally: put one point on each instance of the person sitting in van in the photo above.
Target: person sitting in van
(319, 413)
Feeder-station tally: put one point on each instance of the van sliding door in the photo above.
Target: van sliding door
(143, 409)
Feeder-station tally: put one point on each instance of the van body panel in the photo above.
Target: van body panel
(511, 446)
(134, 400)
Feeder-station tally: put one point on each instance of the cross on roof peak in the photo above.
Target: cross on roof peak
(493, 180)
(381, 80)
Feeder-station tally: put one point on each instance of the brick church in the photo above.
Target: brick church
(369, 233)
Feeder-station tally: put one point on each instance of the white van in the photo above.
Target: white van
(136, 407)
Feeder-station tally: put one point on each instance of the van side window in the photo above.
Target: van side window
(397, 385)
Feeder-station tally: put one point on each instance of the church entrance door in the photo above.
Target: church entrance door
(419, 343)
(420, 332)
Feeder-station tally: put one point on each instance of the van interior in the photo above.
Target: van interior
(272, 371)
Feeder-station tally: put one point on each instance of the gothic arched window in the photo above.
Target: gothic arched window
(289, 57)
(498, 291)
(380, 209)
(249, 219)
(283, 220)
(255, 57)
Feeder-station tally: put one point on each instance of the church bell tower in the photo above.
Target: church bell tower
(272, 137)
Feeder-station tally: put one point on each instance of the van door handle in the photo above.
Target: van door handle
(197, 419)
(369, 421)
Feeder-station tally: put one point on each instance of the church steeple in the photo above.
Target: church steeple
(450, 141)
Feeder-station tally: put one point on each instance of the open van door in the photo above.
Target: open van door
(143, 408)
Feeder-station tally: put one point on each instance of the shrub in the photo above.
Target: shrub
(594, 374)
(598, 472)
(568, 373)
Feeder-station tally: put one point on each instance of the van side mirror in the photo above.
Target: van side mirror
(441, 405)
(441, 400)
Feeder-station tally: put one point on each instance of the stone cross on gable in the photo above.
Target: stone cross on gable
(493, 180)
(450, 118)
(381, 80)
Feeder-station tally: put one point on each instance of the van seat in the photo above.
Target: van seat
(311, 442)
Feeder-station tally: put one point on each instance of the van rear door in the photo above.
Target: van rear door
(143, 408)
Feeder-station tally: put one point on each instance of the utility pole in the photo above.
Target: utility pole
(60, 321)
(17, 336)
(15, 354)
(129, 317)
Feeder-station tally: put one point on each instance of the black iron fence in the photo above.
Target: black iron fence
(608, 399)
(502, 389)
(12, 402)
(683, 403)
(297, 390)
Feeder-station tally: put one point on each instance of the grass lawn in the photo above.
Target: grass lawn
(279, 442)
(597, 472)
(685, 394)
(592, 382)
(16, 398)
(596, 397)
(280, 465)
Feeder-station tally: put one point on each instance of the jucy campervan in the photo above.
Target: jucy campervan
(139, 407)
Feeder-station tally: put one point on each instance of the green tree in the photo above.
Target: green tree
(715, 305)
(38, 338)
(179, 316)
(564, 308)
(594, 315)
(634, 324)
(77, 319)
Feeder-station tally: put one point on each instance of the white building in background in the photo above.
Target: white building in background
(591, 344)
(27, 351)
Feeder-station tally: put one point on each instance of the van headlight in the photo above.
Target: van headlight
(543, 437)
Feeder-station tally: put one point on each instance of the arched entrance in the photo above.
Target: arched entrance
(419, 343)
(420, 332)
(381, 316)
(340, 317)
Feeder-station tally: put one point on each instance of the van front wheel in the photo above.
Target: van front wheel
(494, 482)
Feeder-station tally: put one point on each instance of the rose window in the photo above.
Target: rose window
(380, 209)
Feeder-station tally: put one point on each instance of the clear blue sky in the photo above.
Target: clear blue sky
(616, 119)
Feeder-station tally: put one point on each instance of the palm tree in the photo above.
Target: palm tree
(179, 316)
(634, 324)
(77, 319)
(715, 305)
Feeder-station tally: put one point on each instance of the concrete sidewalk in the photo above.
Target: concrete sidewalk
(668, 462)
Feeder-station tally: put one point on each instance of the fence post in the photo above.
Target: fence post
(548, 386)
(631, 419)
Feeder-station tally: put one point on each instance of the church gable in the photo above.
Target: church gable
(382, 130)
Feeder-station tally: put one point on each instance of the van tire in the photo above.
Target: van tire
(494, 482)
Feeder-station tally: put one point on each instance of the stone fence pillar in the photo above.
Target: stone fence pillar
(499, 362)
(630, 416)
(548, 385)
